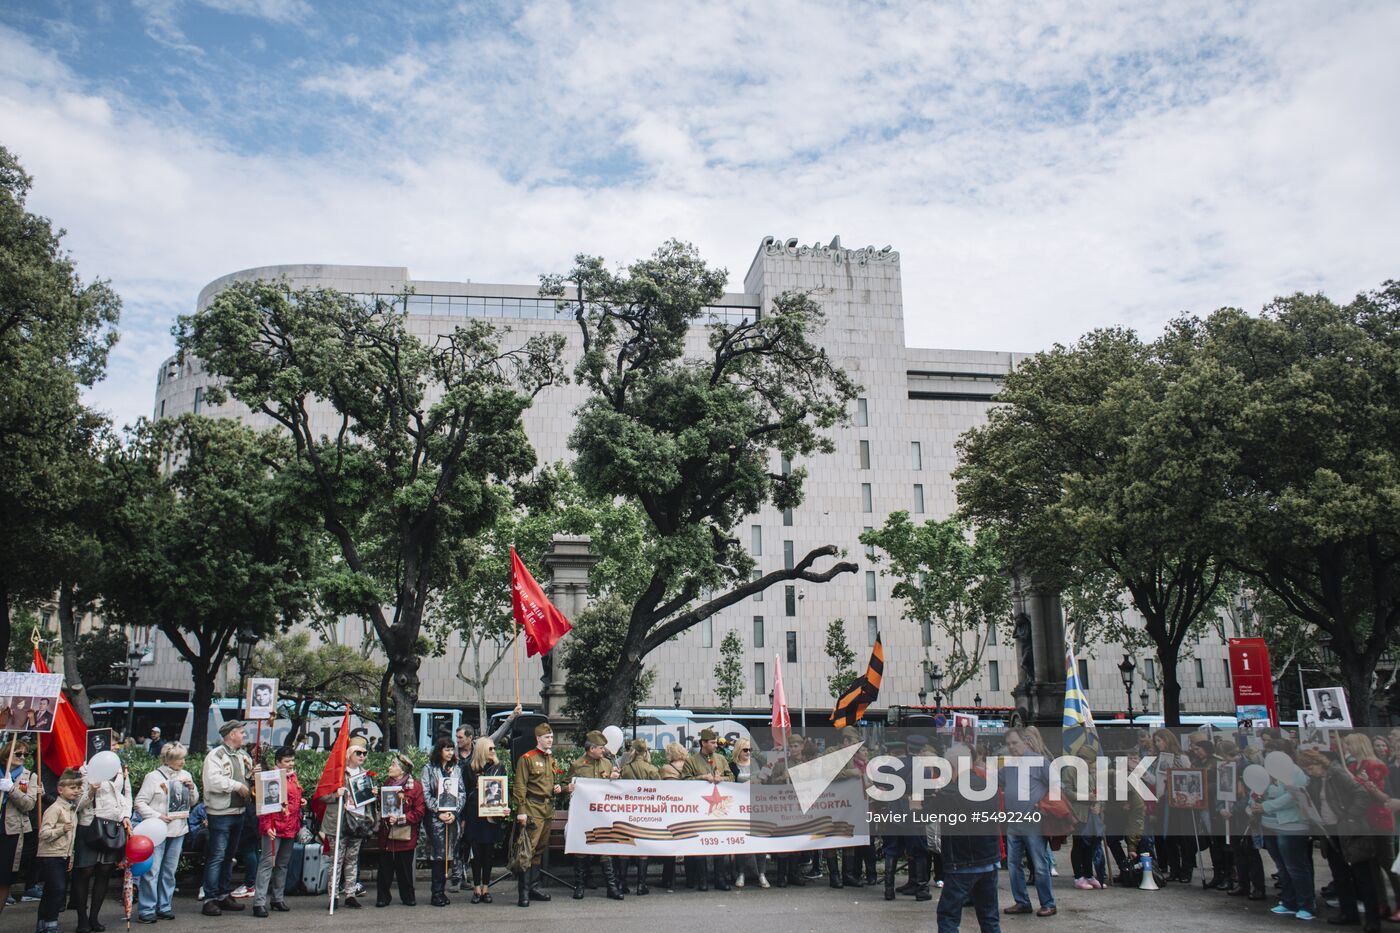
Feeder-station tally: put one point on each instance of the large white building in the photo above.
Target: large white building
(897, 453)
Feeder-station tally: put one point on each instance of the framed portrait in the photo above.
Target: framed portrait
(261, 703)
(390, 801)
(1188, 788)
(448, 802)
(492, 798)
(965, 729)
(1330, 706)
(271, 790)
(361, 790)
(98, 740)
(33, 700)
(177, 798)
(1226, 774)
(1312, 734)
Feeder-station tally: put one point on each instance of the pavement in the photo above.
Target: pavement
(811, 909)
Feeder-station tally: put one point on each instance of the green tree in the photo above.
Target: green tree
(1311, 488)
(21, 652)
(1108, 455)
(475, 603)
(590, 653)
(102, 656)
(216, 541)
(729, 670)
(420, 444)
(55, 333)
(955, 581)
(693, 442)
(310, 678)
(843, 659)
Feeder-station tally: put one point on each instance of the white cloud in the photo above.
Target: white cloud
(1042, 172)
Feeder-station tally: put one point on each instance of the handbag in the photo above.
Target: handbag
(1056, 818)
(107, 835)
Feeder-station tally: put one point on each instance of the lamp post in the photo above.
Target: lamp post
(135, 651)
(676, 693)
(1126, 669)
(1143, 697)
(247, 639)
(977, 700)
(923, 696)
(935, 677)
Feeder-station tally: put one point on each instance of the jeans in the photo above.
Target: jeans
(224, 833)
(1292, 854)
(53, 874)
(958, 888)
(1017, 847)
(158, 884)
(271, 883)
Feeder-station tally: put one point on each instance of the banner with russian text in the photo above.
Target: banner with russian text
(669, 818)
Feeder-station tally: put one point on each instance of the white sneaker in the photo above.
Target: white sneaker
(763, 880)
(938, 884)
(242, 891)
(739, 881)
(1054, 872)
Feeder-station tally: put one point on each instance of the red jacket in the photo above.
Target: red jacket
(413, 810)
(285, 825)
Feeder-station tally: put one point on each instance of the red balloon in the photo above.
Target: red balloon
(139, 848)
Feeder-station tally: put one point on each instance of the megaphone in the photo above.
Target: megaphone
(1149, 882)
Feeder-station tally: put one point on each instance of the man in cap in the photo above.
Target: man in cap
(594, 764)
(707, 764)
(156, 743)
(355, 817)
(227, 773)
(638, 767)
(532, 796)
(466, 742)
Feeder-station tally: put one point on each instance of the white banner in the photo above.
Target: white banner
(669, 818)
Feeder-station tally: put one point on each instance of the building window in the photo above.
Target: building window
(993, 675)
(707, 633)
(865, 455)
(916, 455)
(918, 498)
(870, 586)
(758, 631)
(760, 678)
(787, 518)
(756, 540)
(1150, 668)
(45, 618)
(1083, 674)
(198, 398)
(1229, 681)
(872, 629)
(1200, 673)
(870, 548)
(867, 503)
(757, 597)
(862, 413)
(788, 555)
(790, 601)
(792, 647)
(162, 408)
(992, 636)
(926, 633)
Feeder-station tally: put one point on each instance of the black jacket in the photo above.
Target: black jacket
(964, 847)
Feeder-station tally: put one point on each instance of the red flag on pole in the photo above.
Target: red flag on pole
(334, 774)
(543, 624)
(782, 722)
(66, 745)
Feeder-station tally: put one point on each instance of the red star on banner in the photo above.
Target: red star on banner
(714, 798)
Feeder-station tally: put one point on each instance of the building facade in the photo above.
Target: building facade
(897, 453)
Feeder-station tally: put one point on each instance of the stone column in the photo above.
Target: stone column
(1040, 701)
(569, 560)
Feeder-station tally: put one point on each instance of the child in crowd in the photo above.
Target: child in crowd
(56, 836)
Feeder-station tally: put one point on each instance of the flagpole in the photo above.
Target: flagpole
(335, 864)
(39, 739)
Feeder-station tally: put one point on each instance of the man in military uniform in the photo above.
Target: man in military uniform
(843, 866)
(532, 796)
(594, 764)
(707, 764)
(789, 863)
(638, 768)
(909, 839)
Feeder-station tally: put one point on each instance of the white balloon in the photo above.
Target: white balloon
(154, 829)
(1256, 779)
(614, 736)
(1280, 766)
(103, 767)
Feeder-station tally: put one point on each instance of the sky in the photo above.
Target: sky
(1043, 169)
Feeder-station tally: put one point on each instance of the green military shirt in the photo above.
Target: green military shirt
(586, 767)
(699, 768)
(532, 784)
(640, 769)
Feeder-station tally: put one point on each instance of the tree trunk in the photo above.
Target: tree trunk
(201, 699)
(1358, 676)
(1167, 654)
(68, 634)
(406, 685)
(384, 683)
(619, 691)
(480, 690)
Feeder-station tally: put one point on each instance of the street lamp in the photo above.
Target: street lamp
(977, 700)
(1126, 669)
(935, 677)
(135, 651)
(246, 640)
(676, 692)
(1143, 697)
(923, 696)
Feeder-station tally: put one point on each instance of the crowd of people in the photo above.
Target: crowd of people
(1260, 839)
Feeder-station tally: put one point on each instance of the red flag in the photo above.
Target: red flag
(66, 745)
(543, 624)
(333, 777)
(782, 722)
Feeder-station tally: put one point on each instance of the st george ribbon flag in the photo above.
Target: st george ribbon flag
(851, 707)
(544, 625)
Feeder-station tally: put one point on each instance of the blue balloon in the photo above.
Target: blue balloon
(140, 868)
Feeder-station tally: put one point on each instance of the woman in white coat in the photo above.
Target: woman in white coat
(167, 794)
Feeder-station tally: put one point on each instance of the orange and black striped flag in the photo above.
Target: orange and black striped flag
(851, 707)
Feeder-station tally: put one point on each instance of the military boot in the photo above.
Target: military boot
(642, 877)
(833, 872)
(921, 872)
(535, 893)
(578, 876)
(610, 879)
(524, 889)
(890, 861)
